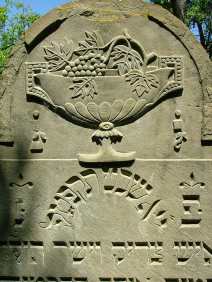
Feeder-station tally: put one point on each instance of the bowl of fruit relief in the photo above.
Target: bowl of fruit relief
(102, 86)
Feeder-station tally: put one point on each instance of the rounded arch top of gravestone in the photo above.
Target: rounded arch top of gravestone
(105, 134)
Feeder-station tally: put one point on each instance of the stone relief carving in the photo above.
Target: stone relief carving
(178, 128)
(24, 252)
(188, 250)
(19, 188)
(38, 140)
(46, 279)
(36, 115)
(187, 279)
(116, 279)
(122, 251)
(20, 213)
(122, 183)
(191, 202)
(72, 81)
(39, 137)
(81, 250)
(20, 183)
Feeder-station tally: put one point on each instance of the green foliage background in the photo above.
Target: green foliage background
(199, 12)
(197, 15)
(15, 18)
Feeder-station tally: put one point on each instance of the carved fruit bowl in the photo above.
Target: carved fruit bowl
(111, 86)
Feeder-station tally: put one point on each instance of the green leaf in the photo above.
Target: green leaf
(15, 18)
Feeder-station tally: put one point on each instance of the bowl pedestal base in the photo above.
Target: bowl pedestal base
(107, 154)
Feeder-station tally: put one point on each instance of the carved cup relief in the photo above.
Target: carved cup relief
(102, 86)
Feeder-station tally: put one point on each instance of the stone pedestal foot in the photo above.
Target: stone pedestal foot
(105, 154)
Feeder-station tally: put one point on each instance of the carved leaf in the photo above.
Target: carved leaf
(93, 110)
(128, 106)
(91, 38)
(126, 59)
(104, 111)
(92, 41)
(142, 83)
(75, 113)
(58, 54)
(83, 112)
(83, 87)
(116, 109)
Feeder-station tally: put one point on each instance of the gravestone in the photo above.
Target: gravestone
(106, 134)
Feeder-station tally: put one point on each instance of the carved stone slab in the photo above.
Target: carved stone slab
(108, 171)
(136, 85)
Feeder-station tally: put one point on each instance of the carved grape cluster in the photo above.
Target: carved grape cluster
(87, 65)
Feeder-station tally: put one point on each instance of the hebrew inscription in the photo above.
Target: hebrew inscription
(180, 134)
(118, 182)
(20, 188)
(121, 251)
(137, 193)
(24, 252)
(108, 175)
(191, 202)
(117, 279)
(80, 251)
(187, 280)
(42, 279)
(186, 250)
(101, 279)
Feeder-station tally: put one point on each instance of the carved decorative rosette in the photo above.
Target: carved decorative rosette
(86, 83)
